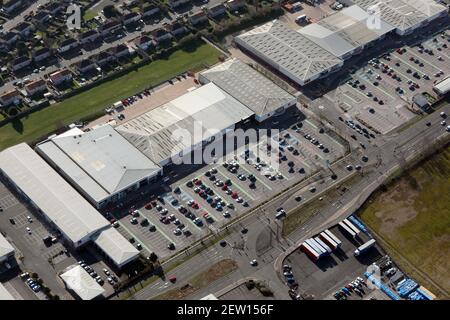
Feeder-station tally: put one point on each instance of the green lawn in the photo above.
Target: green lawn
(413, 217)
(89, 15)
(95, 100)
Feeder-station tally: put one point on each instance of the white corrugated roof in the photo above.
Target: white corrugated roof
(78, 280)
(73, 215)
(4, 294)
(202, 113)
(101, 162)
(116, 246)
(5, 247)
(443, 87)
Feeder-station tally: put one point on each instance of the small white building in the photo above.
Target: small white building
(81, 283)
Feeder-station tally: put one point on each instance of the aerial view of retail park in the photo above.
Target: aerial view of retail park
(224, 150)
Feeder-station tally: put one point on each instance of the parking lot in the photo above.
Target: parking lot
(27, 230)
(198, 202)
(330, 273)
(379, 95)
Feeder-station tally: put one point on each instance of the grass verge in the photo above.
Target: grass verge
(412, 216)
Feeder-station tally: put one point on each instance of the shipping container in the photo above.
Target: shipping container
(318, 245)
(313, 245)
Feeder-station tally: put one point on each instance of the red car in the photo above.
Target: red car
(225, 188)
(198, 182)
(195, 206)
(148, 206)
(173, 279)
(234, 195)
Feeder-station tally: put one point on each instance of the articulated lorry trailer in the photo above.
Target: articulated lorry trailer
(366, 246)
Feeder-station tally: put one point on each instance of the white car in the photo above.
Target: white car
(28, 230)
(177, 232)
(254, 263)
(106, 272)
(443, 115)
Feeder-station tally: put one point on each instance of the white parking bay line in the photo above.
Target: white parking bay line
(424, 60)
(236, 185)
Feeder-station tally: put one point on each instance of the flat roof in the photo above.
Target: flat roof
(344, 31)
(73, 215)
(288, 50)
(5, 247)
(78, 280)
(4, 294)
(206, 110)
(443, 87)
(249, 86)
(116, 246)
(101, 162)
(403, 14)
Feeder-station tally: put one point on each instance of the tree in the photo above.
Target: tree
(153, 257)
(110, 11)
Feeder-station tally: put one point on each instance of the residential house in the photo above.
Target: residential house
(54, 8)
(61, 76)
(177, 29)
(11, 5)
(24, 29)
(198, 17)
(120, 51)
(235, 5)
(110, 26)
(36, 86)
(42, 17)
(130, 18)
(89, 36)
(217, 10)
(103, 58)
(20, 63)
(85, 65)
(41, 54)
(67, 45)
(176, 3)
(150, 10)
(145, 43)
(10, 97)
(161, 35)
(11, 38)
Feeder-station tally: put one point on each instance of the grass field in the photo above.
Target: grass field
(215, 272)
(413, 217)
(95, 100)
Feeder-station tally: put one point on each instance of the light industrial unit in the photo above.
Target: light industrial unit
(250, 87)
(405, 15)
(100, 163)
(172, 131)
(346, 32)
(61, 205)
(81, 283)
(288, 51)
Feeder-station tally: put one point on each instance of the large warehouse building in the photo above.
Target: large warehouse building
(201, 115)
(60, 204)
(346, 32)
(250, 87)
(81, 283)
(405, 15)
(289, 52)
(101, 164)
(6, 250)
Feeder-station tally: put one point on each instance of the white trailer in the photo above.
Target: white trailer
(352, 226)
(347, 228)
(323, 244)
(316, 247)
(310, 251)
(361, 249)
(332, 236)
(327, 239)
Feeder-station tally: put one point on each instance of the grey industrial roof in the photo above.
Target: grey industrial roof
(117, 247)
(73, 215)
(4, 294)
(344, 31)
(78, 280)
(248, 86)
(101, 162)
(207, 108)
(288, 50)
(5, 247)
(402, 14)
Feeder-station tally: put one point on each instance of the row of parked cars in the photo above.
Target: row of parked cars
(356, 286)
(112, 279)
